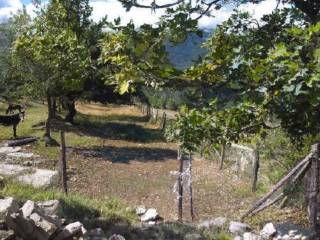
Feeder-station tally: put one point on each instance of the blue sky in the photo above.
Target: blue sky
(113, 9)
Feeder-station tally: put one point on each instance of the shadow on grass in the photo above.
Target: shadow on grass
(127, 154)
(97, 126)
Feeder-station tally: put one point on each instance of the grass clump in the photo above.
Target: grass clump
(73, 206)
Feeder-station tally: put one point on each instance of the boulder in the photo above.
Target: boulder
(39, 178)
(71, 230)
(140, 210)
(238, 228)
(50, 207)
(116, 237)
(251, 236)
(218, 222)
(7, 206)
(238, 238)
(30, 222)
(150, 215)
(192, 236)
(268, 231)
(7, 235)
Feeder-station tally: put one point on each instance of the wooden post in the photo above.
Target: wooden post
(313, 190)
(223, 154)
(256, 166)
(164, 119)
(180, 184)
(63, 164)
(190, 188)
(157, 112)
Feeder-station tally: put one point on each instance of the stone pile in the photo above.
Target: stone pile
(242, 231)
(149, 216)
(35, 221)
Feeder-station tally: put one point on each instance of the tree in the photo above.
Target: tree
(55, 54)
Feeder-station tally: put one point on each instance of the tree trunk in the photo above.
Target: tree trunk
(180, 185)
(71, 110)
(54, 107)
(223, 153)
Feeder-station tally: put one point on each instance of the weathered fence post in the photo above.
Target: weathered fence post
(180, 184)
(63, 164)
(256, 166)
(313, 190)
(223, 154)
(164, 119)
(190, 188)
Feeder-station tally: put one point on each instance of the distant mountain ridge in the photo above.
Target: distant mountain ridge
(184, 55)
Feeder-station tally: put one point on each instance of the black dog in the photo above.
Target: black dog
(12, 120)
(13, 107)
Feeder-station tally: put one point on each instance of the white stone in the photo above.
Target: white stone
(152, 223)
(39, 178)
(6, 150)
(251, 236)
(44, 224)
(50, 207)
(7, 206)
(238, 238)
(11, 169)
(238, 227)
(72, 229)
(116, 237)
(268, 231)
(20, 155)
(30, 207)
(140, 210)
(150, 215)
(217, 222)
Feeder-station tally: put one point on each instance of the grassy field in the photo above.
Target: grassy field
(115, 153)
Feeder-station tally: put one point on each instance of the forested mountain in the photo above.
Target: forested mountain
(183, 55)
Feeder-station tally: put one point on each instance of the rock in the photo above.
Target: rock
(50, 207)
(30, 222)
(7, 235)
(251, 236)
(7, 206)
(95, 234)
(268, 231)
(238, 238)
(6, 150)
(71, 230)
(11, 169)
(25, 227)
(192, 236)
(41, 222)
(140, 210)
(116, 237)
(20, 155)
(289, 231)
(238, 227)
(218, 222)
(152, 223)
(150, 215)
(39, 178)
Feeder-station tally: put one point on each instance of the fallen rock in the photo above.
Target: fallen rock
(140, 210)
(218, 222)
(238, 228)
(150, 215)
(268, 231)
(71, 230)
(251, 236)
(41, 222)
(238, 238)
(192, 236)
(20, 155)
(39, 178)
(288, 231)
(116, 237)
(7, 235)
(6, 150)
(51, 207)
(7, 206)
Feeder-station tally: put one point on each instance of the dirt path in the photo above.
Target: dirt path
(138, 168)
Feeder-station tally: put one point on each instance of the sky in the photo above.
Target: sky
(113, 9)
